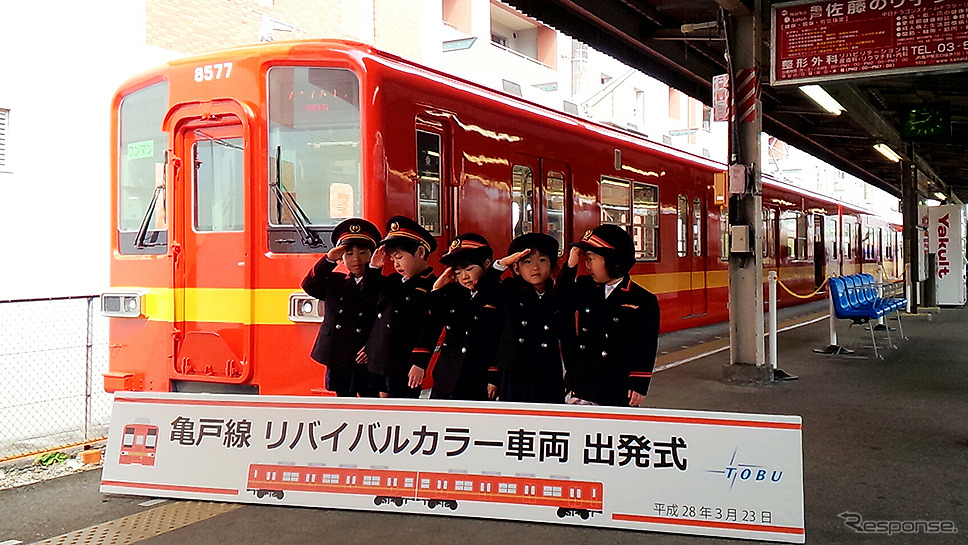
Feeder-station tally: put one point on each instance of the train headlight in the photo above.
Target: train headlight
(305, 308)
(122, 304)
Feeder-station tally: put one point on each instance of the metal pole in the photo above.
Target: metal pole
(87, 367)
(772, 277)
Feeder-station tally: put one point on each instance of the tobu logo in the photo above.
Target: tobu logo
(752, 473)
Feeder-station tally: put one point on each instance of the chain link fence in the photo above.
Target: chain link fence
(52, 355)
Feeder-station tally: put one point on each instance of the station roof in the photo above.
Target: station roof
(648, 35)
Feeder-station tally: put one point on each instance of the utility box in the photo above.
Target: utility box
(740, 241)
(946, 239)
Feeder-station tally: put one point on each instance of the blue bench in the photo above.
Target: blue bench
(855, 298)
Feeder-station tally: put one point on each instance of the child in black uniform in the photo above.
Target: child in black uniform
(395, 362)
(529, 352)
(611, 342)
(466, 306)
(350, 305)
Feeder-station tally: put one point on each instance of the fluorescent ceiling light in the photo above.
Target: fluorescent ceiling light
(941, 196)
(827, 102)
(886, 151)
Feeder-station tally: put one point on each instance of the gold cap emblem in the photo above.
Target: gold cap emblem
(455, 244)
(355, 228)
(394, 226)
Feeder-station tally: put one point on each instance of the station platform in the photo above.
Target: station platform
(884, 439)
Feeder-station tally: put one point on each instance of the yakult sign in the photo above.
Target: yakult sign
(946, 239)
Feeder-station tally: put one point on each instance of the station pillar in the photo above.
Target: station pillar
(747, 362)
(911, 230)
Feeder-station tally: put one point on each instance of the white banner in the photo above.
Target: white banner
(704, 473)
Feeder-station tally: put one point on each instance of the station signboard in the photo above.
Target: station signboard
(691, 472)
(821, 41)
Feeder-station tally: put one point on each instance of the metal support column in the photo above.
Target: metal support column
(912, 233)
(747, 359)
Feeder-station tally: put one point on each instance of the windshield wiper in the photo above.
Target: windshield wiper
(139, 241)
(300, 218)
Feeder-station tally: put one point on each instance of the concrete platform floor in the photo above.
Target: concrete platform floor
(886, 439)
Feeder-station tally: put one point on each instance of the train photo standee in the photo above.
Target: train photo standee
(229, 171)
(435, 489)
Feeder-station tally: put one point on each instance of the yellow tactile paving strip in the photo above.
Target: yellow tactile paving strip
(143, 525)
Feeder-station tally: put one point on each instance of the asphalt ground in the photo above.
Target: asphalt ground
(886, 439)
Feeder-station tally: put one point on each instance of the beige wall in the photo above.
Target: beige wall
(189, 26)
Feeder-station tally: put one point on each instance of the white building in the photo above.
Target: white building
(64, 59)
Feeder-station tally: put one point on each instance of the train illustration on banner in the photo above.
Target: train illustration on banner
(139, 444)
(435, 489)
(230, 170)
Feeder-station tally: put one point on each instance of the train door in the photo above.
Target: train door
(539, 193)
(437, 193)
(525, 183)
(691, 249)
(212, 298)
(819, 252)
(553, 195)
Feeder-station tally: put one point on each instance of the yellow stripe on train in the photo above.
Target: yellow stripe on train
(271, 306)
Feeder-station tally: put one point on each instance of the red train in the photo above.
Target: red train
(229, 171)
(139, 444)
(571, 498)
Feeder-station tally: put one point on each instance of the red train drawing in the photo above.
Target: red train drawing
(435, 489)
(138, 444)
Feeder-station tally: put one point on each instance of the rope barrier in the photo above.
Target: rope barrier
(798, 296)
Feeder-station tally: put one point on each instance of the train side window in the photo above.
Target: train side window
(522, 194)
(408, 482)
(645, 221)
(697, 214)
(615, 201)
(424, 483)
(428, 181)
(724, 233)
(218, 184)
(682, 226)
(555, 207)
(142, 211)
(635, 207)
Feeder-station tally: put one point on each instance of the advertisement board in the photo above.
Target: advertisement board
(704, 473)
(946, 239)
(823, 41)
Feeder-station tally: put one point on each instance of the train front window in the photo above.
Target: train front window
(314, 148)
(142, 218)
(218, 184)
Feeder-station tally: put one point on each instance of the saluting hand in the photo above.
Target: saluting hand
(379, 257)
(336, 253)
(507, 261)
(445, 278)
(491, 391)
(361, 357)
(574, 257)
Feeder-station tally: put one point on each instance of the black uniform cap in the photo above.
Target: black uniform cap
(611, 242)
(546, 244)
(356, 231)
(469, 247)
(404, 228)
